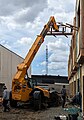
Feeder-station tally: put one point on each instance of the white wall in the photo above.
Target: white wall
(8, 65)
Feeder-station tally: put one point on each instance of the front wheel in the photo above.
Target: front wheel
(37, 100)
(13, 103)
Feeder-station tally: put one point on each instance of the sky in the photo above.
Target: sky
(22, 20)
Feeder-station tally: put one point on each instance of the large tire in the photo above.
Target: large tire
(37, 100)
(13, 103)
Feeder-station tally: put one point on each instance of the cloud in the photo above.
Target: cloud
(43, 63)
(2, 41)
(58, 45)
(57, 58)
(22, 20)
(29, 14)
(5, 44)
(20, 11)
(57, 69)
(25, 41)
(43, 71)
(61, 6)
(22, 46)
(58, 66)
(10, 7)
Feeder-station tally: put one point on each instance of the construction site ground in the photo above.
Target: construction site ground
(27, 113)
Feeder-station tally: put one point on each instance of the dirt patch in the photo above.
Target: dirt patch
(26, 113)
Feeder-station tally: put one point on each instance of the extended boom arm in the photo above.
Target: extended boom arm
(22, 68)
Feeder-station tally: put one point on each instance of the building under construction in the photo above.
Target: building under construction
(76, 56)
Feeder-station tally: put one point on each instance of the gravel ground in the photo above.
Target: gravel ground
(27, 113)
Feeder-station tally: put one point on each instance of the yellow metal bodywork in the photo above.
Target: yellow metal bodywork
(45, 92)
(19, 92)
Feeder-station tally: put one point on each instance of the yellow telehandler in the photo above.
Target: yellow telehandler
(24, 89)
